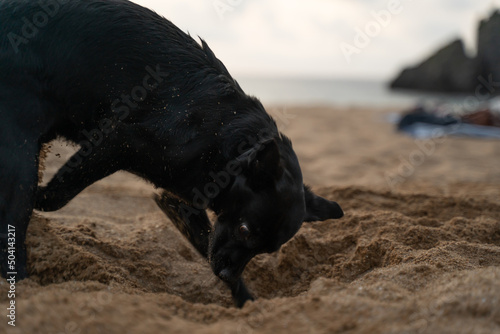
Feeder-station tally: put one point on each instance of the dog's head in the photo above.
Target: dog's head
(263, 209)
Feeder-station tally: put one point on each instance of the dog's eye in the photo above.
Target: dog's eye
(244, 231)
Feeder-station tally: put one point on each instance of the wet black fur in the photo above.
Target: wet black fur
(71, 79)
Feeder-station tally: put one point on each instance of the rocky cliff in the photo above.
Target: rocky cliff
(451, 70)
(488, 48)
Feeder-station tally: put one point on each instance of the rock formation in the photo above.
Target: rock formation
(451, 70)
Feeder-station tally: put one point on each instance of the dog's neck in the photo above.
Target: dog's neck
(189, 160)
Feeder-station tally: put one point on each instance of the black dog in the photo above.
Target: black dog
(140, 95)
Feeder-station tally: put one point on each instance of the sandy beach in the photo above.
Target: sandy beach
(418, 250)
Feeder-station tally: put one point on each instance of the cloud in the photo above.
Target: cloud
(302, 38)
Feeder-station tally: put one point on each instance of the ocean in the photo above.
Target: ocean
(336, 92)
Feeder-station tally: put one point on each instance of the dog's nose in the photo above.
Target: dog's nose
(225, 275)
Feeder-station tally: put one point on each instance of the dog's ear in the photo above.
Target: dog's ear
(267, 160)
(318, 208)
(262, 164)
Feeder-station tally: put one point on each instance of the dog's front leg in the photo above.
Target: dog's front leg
(196, 227)
(90, 164)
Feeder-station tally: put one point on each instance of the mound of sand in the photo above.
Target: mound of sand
(421, 256)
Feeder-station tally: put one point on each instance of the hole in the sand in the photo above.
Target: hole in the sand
(147, 262)
(154, 257)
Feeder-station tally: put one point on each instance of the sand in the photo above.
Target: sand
(418, 250)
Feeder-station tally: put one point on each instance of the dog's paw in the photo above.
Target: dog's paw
(240, 293)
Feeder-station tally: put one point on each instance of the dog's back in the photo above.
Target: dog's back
(79, 57)
(131, 88)
(140, 95)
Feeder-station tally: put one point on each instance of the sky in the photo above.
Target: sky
(357, 39)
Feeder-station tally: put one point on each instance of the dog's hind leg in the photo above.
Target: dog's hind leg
(196, 227)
